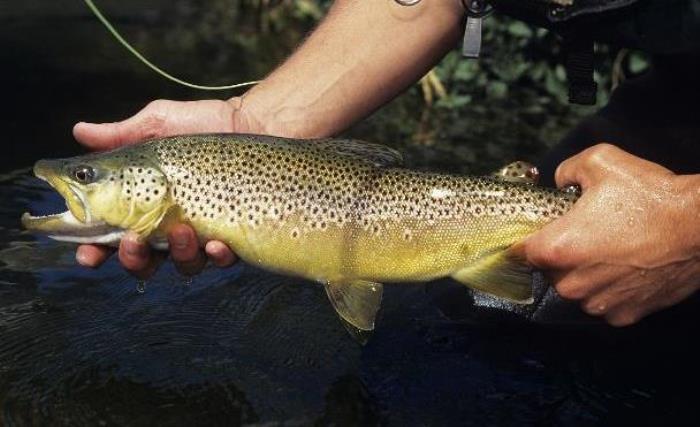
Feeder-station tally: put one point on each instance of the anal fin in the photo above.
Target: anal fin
(501, 274)
(356, 302)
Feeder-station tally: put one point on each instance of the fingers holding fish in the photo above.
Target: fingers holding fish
(588, 166)
(622, 250)
(185, 251)
(587, 281)
(220, 254)
(137, 257)
(553, 248)
(649, 294)
(92, 256)
(599, 161)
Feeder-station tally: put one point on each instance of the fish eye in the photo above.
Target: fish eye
(84, 174)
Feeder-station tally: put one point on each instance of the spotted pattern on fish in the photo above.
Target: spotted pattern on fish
(258, 180)
(339, 212)
(250, 182)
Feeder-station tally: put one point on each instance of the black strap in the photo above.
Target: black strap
(580, 55)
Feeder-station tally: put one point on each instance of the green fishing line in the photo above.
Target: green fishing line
(151, 65)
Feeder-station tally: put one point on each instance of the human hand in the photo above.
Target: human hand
(630, 245)
(161, 118)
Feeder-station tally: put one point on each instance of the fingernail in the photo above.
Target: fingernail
(220, 254)
(133, 247)
(213, 248)
(181, 239)
(82, 259)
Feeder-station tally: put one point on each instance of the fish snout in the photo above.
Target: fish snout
(47, 168)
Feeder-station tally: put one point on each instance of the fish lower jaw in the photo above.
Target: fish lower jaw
(65, 227)
(109, 239)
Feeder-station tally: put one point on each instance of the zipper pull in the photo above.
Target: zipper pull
(477, 10)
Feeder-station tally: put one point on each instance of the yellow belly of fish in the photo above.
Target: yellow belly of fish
(402, 252)
(408, 251)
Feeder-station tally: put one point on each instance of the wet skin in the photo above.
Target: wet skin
(630, 246)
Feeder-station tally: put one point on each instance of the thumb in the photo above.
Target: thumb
(552, 247)
(146, 124)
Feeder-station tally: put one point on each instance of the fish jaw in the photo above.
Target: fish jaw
(65, 227)
(75, 224)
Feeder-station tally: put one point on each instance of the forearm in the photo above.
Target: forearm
(361, 56)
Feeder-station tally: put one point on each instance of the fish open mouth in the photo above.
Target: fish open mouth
(75, 224)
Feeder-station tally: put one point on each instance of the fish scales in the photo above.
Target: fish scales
(343, 213)
(290, 192)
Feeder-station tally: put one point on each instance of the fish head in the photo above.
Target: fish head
(106, 194)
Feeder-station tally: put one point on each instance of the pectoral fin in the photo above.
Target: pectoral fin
(522, 172)
(150, 221)
(500, 274)
(356, 302)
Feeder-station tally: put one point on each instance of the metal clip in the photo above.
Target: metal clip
(477, 10)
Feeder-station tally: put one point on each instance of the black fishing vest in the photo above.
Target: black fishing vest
(655, 26)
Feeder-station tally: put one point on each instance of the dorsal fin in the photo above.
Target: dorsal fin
(523, 172)
(377, 154)
(380, 155)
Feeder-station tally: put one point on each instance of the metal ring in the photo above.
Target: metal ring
(477, 8)
(407, 2)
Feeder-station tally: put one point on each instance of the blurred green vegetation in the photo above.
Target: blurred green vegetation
(474, 115)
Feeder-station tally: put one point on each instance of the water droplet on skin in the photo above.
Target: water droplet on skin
(643, 273)
(630, 221)
(141, 286)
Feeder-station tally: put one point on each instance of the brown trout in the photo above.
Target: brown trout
(340, 212)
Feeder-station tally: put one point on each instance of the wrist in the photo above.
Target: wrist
(252, 113)
(242, 120)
